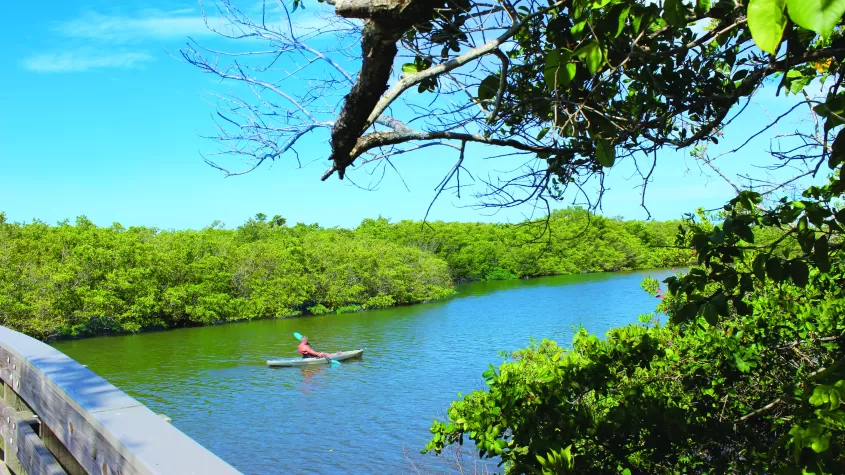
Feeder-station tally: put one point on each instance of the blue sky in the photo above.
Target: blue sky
(100, 120)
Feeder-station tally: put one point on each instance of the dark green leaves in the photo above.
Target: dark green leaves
(837, 153)
(766, 20)
(710, 313)
(833, 110)
(799, 272)
(605, 153)
(748, 199)
(591, 54)
(552, 68)
(820, 254)
(743, 230)
(559, 70)
(489, 88)
(817, 15)
(774, 269)
(674, 12)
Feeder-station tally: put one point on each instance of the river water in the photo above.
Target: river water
(364, 416)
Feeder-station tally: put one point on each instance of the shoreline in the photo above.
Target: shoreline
(306, 314)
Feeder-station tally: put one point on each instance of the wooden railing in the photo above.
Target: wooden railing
(59, 417)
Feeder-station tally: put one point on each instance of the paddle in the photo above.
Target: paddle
(298, 336)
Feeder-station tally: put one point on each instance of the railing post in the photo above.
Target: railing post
(9, 451)
(55, 446)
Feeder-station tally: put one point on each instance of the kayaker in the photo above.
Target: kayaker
(307, 352)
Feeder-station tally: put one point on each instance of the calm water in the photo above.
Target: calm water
(364, 416)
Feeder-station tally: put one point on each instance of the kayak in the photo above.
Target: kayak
(343, 355)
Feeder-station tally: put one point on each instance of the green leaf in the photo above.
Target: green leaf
(820, 254)
(799, 272)
(835, 399)
(622, 17)
(636, 22)
(687, 312)
(720, 302)
(797, 81)
(739, 75)
(566, 74)
(605, 153)
(577, 29)
(489, 88)
(821, 444)
(741, 364)
(833, 110)
(744, 232)
(817, 15)
(774, 269)
(558, 71)
(702, 7)
(591, 54)
(409, 68)
(819, 396)
(766, 20)
(837, 153)
(579, 8)
(806, 240)
(710, 313)
(675, 13)
(543, 133)
(551, 68)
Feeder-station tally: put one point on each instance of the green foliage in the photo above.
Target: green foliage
(767, 21)
(348, 309)
(820, 16)
(70, 280)
(379, 301)
(571, 241)
(499, 274)
(753, 394)
(748, 376)
(597, 81)
(618, 78)
(319, 309)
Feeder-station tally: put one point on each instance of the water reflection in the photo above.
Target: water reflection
(308, 381)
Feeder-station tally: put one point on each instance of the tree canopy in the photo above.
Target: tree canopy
(80, 279)
(568, 88)
(748, 374)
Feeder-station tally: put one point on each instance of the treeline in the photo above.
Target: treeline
(570, 241)
(79, 279)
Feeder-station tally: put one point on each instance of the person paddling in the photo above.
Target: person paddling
(306, 351)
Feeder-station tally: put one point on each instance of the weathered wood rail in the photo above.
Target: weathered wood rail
(59, 417)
